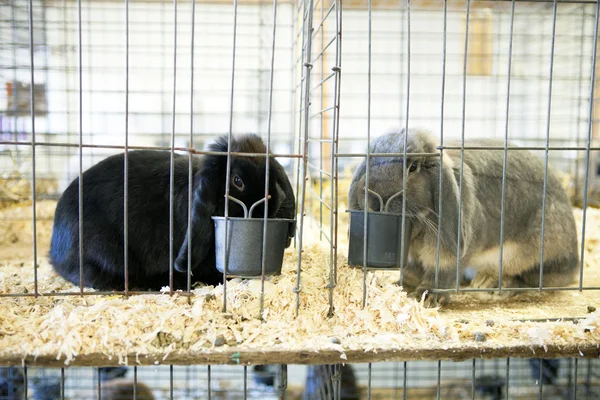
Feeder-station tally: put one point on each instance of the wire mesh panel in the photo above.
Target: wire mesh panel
(114, 77)
(150, 48)
(480, 379)
(469, 74)
(322, 237)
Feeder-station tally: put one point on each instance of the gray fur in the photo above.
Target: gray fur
(480, 213)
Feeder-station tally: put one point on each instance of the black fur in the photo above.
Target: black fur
(148, 215)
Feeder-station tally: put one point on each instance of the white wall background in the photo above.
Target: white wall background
(485, 96)
(151, 75)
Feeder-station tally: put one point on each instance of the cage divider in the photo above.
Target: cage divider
(135, 382)
(367, 159)
(589, 141)
(267, 170)
(548, 123)
(228, 168)
(441, 152)
(245, 382)
(473, 378)
(462, 149)
(307, 64)
(190, 159)
(126, 158)
(505, 158)
(406, 130)
(98, 383)
(507, 378)
(80, 189)
(33, 143)
(171, 386)
(62, 384)
(172, 154)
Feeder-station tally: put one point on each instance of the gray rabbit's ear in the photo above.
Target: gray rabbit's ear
(356, 189)
(449, 211)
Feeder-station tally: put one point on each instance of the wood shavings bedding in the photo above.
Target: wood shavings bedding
(16, 188)
(180, 329)
(16, 224)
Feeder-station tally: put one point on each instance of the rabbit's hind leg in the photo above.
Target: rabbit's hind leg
(560, 266)
(515, 259)
(103, 266)
(95, 277)
(99, 270)
(411, 276)
(556, 272)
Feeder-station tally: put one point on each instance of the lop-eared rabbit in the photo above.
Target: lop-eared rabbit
(480, 214)
(148, 215)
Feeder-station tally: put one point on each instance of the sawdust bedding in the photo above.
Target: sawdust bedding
(192, 329)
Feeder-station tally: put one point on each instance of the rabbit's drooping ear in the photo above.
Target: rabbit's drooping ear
(356, 186)
(286, 201)
(450, 196)
(208, 187)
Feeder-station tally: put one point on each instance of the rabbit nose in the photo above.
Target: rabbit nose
(374, 205)
(393, 202)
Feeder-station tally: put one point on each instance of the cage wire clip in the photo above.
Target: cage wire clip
(385, 208)
(246, 213)
(235, 357)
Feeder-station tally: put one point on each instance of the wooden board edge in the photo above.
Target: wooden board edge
(306, 357)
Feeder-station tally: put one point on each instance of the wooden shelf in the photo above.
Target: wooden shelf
(308, 356)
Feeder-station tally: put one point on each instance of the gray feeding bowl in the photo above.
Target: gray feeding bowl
(245, 243)
(386, 246)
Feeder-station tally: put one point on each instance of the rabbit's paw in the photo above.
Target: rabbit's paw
(431, 299)
(488, 279)
(406, 286)
(181, 263)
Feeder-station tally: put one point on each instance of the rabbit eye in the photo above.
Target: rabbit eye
(413, 167)
(238, 183)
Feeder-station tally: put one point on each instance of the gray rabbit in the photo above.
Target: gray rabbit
(479, 215)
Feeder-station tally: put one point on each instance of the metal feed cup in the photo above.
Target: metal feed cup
(245, 244)
(384, 239)
(386, 246)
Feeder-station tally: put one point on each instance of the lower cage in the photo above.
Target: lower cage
(60, 328)
(491, 379)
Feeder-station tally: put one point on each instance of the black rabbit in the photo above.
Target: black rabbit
(148, 215)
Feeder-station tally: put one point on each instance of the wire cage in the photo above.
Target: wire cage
(485, 379)
(320, 81)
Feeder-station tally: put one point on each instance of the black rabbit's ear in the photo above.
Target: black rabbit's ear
(249, 143)
(208, 185)
(209, 179)
(220, 144)
(211, 174)
(286, 204)
(449, 211)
